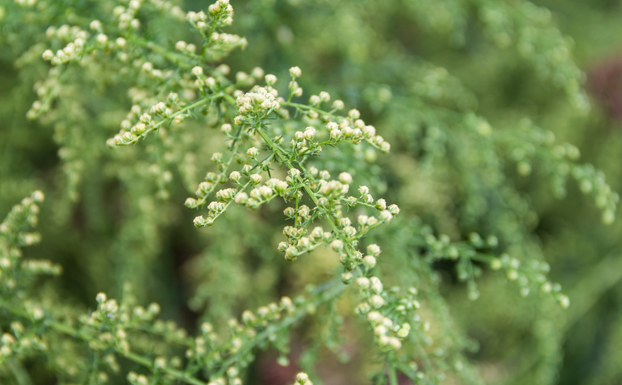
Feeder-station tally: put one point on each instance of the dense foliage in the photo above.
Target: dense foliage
(354, 191)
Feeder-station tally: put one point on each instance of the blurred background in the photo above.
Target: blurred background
(107, 221)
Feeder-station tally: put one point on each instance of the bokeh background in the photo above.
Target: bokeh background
(106, 224)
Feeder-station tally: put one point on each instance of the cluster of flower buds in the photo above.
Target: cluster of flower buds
(242, 332)
(383, 330)
(255, 104)
(592, 181)
(297, 240)
(127, 16)
(376, 304)
(529, 275)
(140, 122)
(23, 214)
(21, 343)
(137, 379)
(221, 12)
(74, 49)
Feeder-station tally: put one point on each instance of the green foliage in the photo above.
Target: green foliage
(140, 105)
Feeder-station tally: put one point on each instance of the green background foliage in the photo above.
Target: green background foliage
(478, 99)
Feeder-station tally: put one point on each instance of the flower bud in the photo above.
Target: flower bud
(295, 72)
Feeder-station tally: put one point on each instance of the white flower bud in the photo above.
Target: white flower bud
(256, 178)
(337, 245)
(394, 209)
(369, 261)
(95, 25)
(270, 79)
(363, 282)
(376, 285)
(102, 39)
(309, 133)
(48, 55)
(197, 71)
(314, 100)
(354, 114)
(381, 204)
(295, 72)
(338, 105)
(374, 250)
(376, 301)
(101, 298)
(345, 178)
(252, 152)
(302, 378)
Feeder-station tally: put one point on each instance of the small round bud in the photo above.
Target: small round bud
(181, 45)
(376, 301)
(346, 278)
(48, 55)
(102, 39)
(338, 105)
(381, 204)
(256, 178)
(345, 178)
(394, 209)
(197, 71)
(101, 298)
(354, 114)
(95, 25)
(38, 196)
(374, 250)
(270, 79)
(369, 261)
(252, 152)
(295, 72)
(337, 245)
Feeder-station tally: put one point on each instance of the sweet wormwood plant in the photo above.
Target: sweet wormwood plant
(274, 147)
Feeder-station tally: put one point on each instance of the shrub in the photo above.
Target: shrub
(291, 206)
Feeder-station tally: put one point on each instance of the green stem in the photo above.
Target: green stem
(21, 375)
(392, 372)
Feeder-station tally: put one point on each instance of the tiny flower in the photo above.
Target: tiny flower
(102, 39)
(48, 55)
(197, 71)
(270, 79)
(338, 105)
(376, 301)
(354, 114)
(381, 204)
(369, 261)
(394, 209)
(95, 25)
(101, 298)
(346, 278)
(252, 152)
(309, 133)
(374, 250)
(337, 245)
(256, 178)
(345, 178)
(295, 72)
(376, 285)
